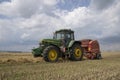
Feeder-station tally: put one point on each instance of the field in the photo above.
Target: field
(22, 66)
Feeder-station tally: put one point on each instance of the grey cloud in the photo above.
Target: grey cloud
(27, 8)
(101, 4)
(111, 43)
(111, 39)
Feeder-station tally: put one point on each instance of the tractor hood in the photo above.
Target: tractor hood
(51, 41)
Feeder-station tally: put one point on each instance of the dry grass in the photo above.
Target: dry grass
(22, 66)
(18, 58)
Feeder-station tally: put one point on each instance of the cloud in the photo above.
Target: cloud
(26, 8)
(25, 35)
(101, 4)
(23, 23)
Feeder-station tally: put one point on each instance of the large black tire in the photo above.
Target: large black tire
(76, 53)
(51, 54)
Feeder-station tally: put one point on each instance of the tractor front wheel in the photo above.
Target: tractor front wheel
(76, 53)
(51, 54)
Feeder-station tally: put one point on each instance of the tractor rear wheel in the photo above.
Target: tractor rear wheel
(76, 53)
(51, 54)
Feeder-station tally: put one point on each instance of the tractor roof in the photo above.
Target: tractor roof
(65, 30)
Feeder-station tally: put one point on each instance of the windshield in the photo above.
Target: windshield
(64, 36)
(59, 36)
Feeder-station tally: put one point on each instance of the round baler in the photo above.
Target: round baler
(91, 48)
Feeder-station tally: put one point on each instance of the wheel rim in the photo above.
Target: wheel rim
(52, 55)
(78, 52)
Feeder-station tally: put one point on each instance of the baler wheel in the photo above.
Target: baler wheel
(98, 56)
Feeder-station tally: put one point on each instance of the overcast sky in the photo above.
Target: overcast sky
(23, 23)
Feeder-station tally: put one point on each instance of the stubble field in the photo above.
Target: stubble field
(23, 66)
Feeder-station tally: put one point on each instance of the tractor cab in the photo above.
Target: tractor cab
(66, 35)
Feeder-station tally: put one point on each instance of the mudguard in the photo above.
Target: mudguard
(72, 43)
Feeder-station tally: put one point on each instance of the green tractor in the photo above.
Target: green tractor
(62, 45)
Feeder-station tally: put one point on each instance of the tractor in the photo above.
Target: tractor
(63, 45)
